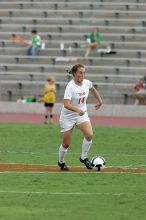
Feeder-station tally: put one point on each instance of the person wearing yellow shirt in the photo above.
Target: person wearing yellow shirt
(49, 99)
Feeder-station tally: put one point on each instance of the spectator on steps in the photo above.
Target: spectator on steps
(93, 41)
(34, 44)
(140, 91)
(49, 99)
(26, 99)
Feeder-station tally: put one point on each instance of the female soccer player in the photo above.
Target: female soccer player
(49, 99)
(74, 113)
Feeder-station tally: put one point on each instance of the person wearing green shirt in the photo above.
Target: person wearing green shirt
(93, 41)
(35, 44)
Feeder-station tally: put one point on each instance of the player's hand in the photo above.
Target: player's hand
(81, 112)
(97, 106)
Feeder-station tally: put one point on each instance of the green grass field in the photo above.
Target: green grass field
(62, 196)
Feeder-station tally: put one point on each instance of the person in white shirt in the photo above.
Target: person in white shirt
(74, 113)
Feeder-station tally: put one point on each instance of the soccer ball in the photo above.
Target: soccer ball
(98, 163)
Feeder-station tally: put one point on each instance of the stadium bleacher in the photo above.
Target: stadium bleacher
(122, 26)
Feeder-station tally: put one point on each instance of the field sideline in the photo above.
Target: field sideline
(96, 120)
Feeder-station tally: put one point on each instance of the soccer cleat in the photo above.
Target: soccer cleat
(86, 162)
(63, 166)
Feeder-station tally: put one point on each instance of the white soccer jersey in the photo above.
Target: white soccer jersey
(77, 96)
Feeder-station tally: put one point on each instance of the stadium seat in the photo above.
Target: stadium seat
(21, 5)
(9, 95)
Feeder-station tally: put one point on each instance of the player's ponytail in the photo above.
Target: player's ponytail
(74, 69)
(69, 71)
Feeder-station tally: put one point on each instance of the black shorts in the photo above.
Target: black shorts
(48, 104)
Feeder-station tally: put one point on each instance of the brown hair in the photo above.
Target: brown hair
(34, 31)
(74, 69)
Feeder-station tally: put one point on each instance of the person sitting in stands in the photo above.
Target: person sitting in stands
(140, 91)
(34, 45)
(26, 99)
(93, 41)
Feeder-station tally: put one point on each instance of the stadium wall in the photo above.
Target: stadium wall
(105, 110)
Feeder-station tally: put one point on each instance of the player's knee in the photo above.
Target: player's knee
(89, 137)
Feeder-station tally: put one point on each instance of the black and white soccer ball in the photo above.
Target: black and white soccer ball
(98, 163)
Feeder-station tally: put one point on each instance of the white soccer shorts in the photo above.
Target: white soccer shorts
(67, 124)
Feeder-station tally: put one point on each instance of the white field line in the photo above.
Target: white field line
(73, 193)
(68, 172)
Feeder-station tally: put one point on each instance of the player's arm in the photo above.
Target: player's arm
(71, 107)
(97, 97)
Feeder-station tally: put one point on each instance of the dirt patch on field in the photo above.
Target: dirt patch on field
(77, 169)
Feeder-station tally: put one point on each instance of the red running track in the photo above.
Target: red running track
(96, 120)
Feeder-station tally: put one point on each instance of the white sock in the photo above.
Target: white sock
(85, 148)
(62, 153)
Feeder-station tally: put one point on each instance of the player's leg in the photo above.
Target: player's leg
(63, 149)
(86, 129)
(65, 145)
